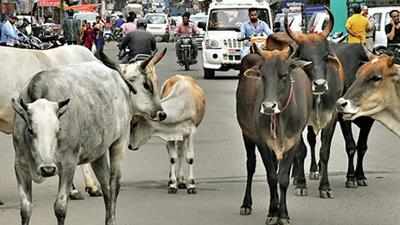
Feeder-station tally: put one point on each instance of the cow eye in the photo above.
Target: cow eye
(283, 76)
(376, 78)
(147, 86)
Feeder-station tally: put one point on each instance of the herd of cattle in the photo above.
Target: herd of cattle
(66, 107)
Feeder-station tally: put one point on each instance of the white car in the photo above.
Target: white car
(381, 18)
(158, 25)
(196, 19)
(90, 17)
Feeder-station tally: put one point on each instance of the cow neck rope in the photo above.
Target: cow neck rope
(274, 119)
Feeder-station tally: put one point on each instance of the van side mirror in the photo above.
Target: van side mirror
(202, 25)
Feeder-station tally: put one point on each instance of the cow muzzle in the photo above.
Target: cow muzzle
(159, 115)
(269, 108)
(48, 170)
(346, 107)
(319, 86)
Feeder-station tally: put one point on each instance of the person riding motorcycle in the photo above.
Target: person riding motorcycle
(186, 29)
(253, 27)
(138, 42)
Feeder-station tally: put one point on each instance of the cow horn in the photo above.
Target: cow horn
(255, 50)
(146, 62)
(331, 22)
(21, 109)
(292, 51)
(369, 53)
(159, 56)
(290, 33)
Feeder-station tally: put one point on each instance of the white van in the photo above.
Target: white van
(221, 48)
(382, 18)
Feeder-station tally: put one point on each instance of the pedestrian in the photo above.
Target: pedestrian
(83, 27)
(357, 26)
(88, 36)
(129, 26)
(71, 29)
(9, 34)
(393, 28)
(138, 42)
(99, 30)
(371, 28)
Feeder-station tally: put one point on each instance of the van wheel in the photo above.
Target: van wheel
(209, 73)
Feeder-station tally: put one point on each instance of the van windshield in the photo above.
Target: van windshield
(232, 19)
(155, 19)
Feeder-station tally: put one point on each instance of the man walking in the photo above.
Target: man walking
(357, 26)
(71, 29)
(9, 34)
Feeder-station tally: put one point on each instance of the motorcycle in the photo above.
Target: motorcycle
(114, 35)
(186, 52)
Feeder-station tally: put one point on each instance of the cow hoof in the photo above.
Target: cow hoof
(1, 203)
(284, 221)
(350, 183)
(76, 195)
(192, 191)
(92, 193)
(314, 175)
(271, 220)
(172, 190)
(301, 192)
(362, 182)
(245, 211)
(182, 186)
(325, 194)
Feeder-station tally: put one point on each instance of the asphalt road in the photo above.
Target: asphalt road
(220, 172)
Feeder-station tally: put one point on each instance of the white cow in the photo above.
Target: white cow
(18, 66)
(184, 103)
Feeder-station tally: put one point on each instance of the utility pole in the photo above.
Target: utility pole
(61, 11)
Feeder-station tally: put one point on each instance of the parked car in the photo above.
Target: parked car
(382, 18)
(158, 24)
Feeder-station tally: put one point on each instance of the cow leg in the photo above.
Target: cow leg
(90, 181)
(102, 172)
(326, 140)
(116, 153)
(181, 157)
(188, 145)
(299, 176)
(24, 181)
(350, 150)
(66, 175)
(173, 155)
(365, 124)
(312, 141)
(75, 194)
(271, 164)
(284, 180)
(245, 209)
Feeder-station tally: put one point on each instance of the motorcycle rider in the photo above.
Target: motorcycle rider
(186, 29)
(252, 27)
(138, 42)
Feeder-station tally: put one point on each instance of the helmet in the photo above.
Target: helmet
(141, 23)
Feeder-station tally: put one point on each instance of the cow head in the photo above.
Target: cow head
(142, 80)
(42, 131)
(275, 73)
(375, 89)
(141, 132)
(314, 47)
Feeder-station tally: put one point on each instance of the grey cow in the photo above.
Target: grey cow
(64, 121)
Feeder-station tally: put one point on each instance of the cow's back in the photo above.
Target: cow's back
(189, 91)
(18, 66)
(98, 113)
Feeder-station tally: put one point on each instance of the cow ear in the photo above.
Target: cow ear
(123, 68)
(254, 73)
(21, 109)
(390, 61)
(62, 107)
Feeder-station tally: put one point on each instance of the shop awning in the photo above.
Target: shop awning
(49, 3)
(83, 7)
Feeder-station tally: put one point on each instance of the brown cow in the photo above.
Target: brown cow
(375, 94)
(273, 106)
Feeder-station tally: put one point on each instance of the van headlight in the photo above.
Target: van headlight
(212, 44)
